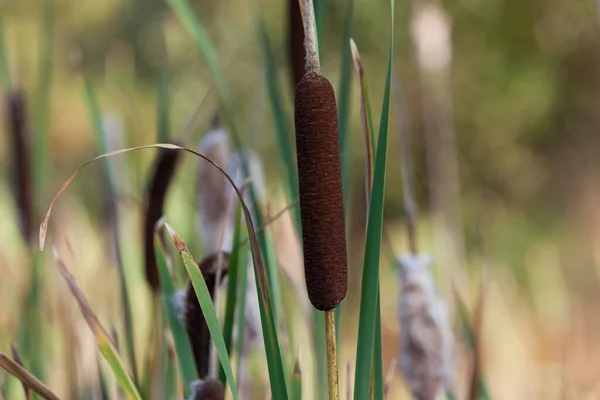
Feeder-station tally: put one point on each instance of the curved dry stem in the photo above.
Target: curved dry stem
(262, 275)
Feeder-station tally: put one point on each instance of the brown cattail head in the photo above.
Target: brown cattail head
(207, 389)
(164, 170)
(19, 129)
(320, 184)
(194, 321)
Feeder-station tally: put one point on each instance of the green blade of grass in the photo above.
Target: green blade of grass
(184, 11)
(206, 304)
(297, 382)
(183, 348)
(162, 105)
(343, 96)
(284, 142)
(4, 68)
(241, 313)
(42, 102)
(367, 122)
(370, 280)
(232, 290)
(26, 377)
(469, 338)
(96, 121)
(270, 336)
(319, 6)
(105, 345)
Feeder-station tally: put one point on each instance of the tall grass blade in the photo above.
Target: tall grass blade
(183, 349)
(232, 290)
(103, 340)
(241, 313)
(204, 298)
(26, 377)
(110, 173)
(4, 64)
(286, 150)
(184, 11)
(370, 280)
(17, 358)
(162, 105)
(367, 123)
(297, 382)
(343, 97)
(271, 340)
(470, 338)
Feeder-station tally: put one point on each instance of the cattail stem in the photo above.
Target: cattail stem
(310, 37)
(332, 370)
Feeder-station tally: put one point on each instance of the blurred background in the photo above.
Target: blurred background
(501, 99)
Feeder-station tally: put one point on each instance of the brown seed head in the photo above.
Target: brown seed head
(207, 389)
(164, 170)
(195, 324)
(320, 184)
(19, 129)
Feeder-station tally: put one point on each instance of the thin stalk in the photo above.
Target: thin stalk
(332, 370)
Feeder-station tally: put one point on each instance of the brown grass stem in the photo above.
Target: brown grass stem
(310, 37)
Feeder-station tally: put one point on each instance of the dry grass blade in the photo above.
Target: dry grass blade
(253, 239)
(17, 358)
(410, 204)
(26, 377)
(364, 117)
(103, 339)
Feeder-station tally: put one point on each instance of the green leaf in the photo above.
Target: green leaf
(105, 345)
(232, 289)
(241, 313)
(186, 14)
(286, 150)
(4, 68)
(109, 169)
(207, 306)
(370, 276)
(297, 382)
(180, 337)
(343, 97)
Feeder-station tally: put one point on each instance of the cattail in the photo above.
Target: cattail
(207, 389)
(320, 182)
(193, 317)
(164, 170)
(426, 340)
(19, 129)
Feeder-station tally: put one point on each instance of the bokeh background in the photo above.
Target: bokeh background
(518, 94)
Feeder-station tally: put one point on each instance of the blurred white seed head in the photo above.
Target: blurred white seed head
(214, 193)
(426, 339)
(431, 33)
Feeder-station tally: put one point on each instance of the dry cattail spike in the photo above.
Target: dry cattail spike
(164, 171)
(207, 389)
(426, 340)
(320, 184)
(194, 321)
(19, 129)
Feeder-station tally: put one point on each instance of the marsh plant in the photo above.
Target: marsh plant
(229, 315)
